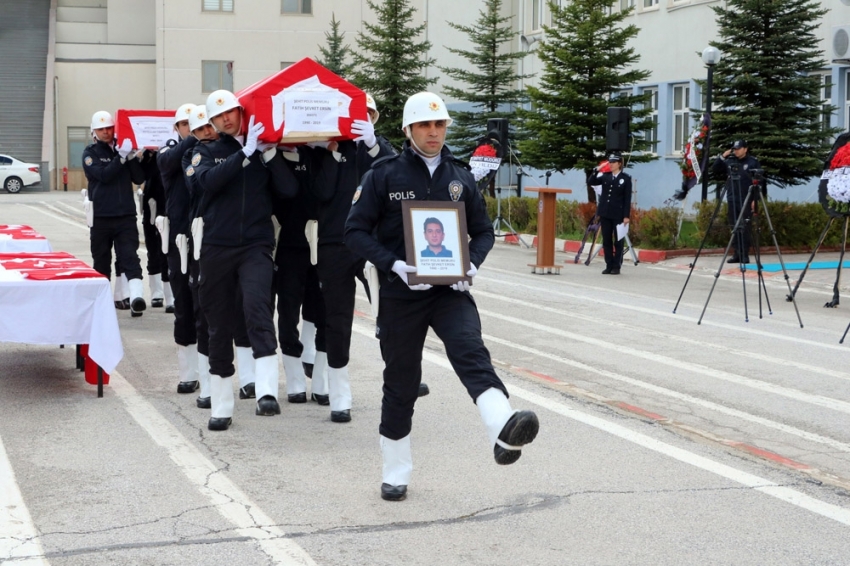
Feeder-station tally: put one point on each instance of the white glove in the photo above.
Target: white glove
(365, 132)
(402, 269)
(252, 138)
(464, 285)
(126, 148)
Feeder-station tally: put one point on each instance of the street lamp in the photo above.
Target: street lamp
(711, 57)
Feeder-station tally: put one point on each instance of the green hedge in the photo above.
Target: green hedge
(797, 225)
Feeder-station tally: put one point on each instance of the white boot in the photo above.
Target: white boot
(137, 297)
(155, 282)
(507, 430)
(245, 367)
(296, 381)
(495, 411)
(187, 364)
(339, 388)
(398, 466)
(203, 400)
(169, 296)
(267, 385)
(117, 291)
(308, 340)
(221, 394)
(125, 287)
(319, 388)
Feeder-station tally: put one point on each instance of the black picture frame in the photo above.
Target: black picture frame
(451, 263)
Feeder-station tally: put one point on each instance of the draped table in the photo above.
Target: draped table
(22, 238)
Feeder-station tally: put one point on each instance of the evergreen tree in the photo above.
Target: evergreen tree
(764, 90)
(334, 56)
(391, 63)
(587, 62)
(491, 77)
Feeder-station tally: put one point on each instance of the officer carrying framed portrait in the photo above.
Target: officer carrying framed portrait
(436, 241)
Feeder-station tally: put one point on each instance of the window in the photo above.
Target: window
(296, 6)
(826, 88)
(218, 5)
(650, 3)
(78, 139)
(626, 4)
(217, 75)
(651, 135)
(536, 14)
(847, 101)
(681, 116)
(285, 64)
(8, 160)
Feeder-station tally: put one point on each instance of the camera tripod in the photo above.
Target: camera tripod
(738, 237)
(834, 302)
(593, 228)
(500, 220)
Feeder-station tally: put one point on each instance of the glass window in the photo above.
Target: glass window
(285, 64)
(218, 5)
(296, 6)
(8, 161)
(826, 89)
(216, 75)
(650, 3)
(626, 4)
(681, 116)
(651, 135)
(78, 139)
(536, 14)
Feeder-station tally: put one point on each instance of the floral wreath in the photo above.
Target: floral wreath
(696, 142)
(838, 181)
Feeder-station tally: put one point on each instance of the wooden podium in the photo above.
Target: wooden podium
(546, 229)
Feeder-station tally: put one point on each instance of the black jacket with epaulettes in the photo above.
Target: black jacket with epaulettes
(111, 179)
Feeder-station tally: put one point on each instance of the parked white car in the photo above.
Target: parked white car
(15, 175)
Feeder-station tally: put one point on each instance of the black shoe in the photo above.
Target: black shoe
(606, 271)
(135, 314)
(123, 305)
(297, 398)
(423, 389)
(520, 429)
(393, 492)
(308, 369)
(615, 271)
(203, 403)
(138, 305)
(169, 309)
(734, 259)
(746, 259)
(219, 423)
(341, 416)
(267, 406)
(321, 399)
(187, 386)
(247, 392)
(156, 303)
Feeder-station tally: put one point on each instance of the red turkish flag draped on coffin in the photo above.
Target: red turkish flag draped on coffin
(149, 129)
(304, 102)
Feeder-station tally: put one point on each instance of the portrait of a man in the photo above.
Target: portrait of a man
(434, 235)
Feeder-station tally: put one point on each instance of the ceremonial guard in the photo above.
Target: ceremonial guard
(426, 170)
(237, 185)
(111, 173)
(153, 205)
(615, 204)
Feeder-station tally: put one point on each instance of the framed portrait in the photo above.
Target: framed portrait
(436, 241)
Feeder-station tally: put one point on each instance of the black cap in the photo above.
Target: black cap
(738, 144)
(614, 157)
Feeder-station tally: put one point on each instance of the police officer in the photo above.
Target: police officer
(335, 185)
(238, 183)
(175, 224)
(615, 204)
(736, 165)
(426, 170)
(111, 173)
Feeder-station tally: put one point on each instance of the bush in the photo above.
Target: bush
(656, 228)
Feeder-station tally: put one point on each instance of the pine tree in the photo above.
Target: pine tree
(391, 64)
(764, 90)
(335, 54)
(491, 77)
(586, 63)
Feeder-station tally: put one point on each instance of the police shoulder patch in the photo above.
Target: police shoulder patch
(88, 160)
(190, 171)
(356, 195)
(196, 159)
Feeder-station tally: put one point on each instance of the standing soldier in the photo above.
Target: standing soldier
(335, 185)
(175, 225)
(237, 185)
(153, 204)
(426, 170)
(614, 206)
(111, 174)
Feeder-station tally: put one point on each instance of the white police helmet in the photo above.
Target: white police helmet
(183, 113)
(220, 102)
(198, 117)
(101, 119)
(370, 105)
(424, 107)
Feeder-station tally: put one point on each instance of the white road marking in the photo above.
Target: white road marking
(224, 495)
(788, 495)
(19, 542)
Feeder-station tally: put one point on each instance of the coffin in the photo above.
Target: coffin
(149, 129)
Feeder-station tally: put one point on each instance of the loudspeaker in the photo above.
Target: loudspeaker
(499, 126)
(617, 131)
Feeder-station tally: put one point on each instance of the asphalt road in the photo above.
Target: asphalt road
(662, 441)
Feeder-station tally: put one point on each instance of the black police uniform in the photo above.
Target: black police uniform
(615, 204)
(178, 210)
(736, 193)
(153, 190)
(375, 231)
(335, 185)
(238, 242)
(111, 179)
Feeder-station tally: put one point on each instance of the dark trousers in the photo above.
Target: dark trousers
(293, 276)
(224, 271)
(338, 268)
(612, 247)
(157, 262)
(201, 327)
(742, 240)
(122, 233)
(402, 327)
(185, 332)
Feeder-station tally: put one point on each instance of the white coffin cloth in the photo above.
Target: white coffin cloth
(30, 245)
(72, 311)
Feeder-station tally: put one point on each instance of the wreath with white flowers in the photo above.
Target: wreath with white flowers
(834, 189)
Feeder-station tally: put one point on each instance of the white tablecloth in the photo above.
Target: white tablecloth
(72, 311)
(12, 245)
